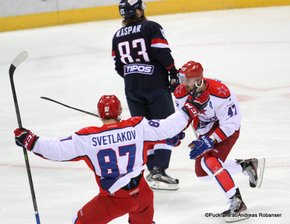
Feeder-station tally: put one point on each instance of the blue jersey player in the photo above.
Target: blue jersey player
(143, 59)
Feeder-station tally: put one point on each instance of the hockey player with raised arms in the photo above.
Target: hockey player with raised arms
(115, 153)
(217, 126)
(143, 59)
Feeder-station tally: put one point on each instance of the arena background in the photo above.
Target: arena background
(247, 48)
(17, 14)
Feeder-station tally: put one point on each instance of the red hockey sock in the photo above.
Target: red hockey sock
(214, 167)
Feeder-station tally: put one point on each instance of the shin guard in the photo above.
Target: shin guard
(214, 168)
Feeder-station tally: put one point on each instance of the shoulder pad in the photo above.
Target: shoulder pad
(88, 130)
(133, 121)
(152, 23)
(217, 88)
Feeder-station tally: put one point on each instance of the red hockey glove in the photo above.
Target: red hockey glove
(25, 138)
(190, 110)
(199, 99)
(195, 103)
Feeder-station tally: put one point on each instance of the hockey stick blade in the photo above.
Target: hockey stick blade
(17, 61)
(74, 108)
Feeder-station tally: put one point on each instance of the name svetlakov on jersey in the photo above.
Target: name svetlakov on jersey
(114, 138)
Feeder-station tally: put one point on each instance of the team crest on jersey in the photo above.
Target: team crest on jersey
(138, 68)
(222, 90)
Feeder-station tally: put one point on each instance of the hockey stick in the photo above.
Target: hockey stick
(18, 60)
(74, 108)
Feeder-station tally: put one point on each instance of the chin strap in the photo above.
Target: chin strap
(199, 86)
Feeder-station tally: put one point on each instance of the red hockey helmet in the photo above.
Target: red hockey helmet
(192, 74)
(109, 107)
(192, 69)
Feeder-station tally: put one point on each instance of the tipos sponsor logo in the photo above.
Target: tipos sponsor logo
(138, 68)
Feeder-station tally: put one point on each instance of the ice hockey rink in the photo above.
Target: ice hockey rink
(248, 49)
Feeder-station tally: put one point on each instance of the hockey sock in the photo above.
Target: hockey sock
(149, 147)
(162, 158)
(214, 168)
(150, 162)
(232, 166)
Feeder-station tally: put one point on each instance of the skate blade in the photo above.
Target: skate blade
(261, 169)
(236, 218)
(158, 185)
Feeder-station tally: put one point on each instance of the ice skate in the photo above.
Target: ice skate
(255, 170)
(159, 180)
(237, 209)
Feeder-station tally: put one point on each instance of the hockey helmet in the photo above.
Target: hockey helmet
(190, 70)
(127, 8)
(109, 107)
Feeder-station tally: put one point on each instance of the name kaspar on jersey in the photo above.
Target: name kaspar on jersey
(128, 30)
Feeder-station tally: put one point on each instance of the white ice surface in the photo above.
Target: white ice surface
(249, 49)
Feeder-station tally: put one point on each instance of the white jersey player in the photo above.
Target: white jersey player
(217, 126)
(115, 153)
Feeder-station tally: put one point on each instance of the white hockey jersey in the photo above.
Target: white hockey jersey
(221, 117)
(114, 152)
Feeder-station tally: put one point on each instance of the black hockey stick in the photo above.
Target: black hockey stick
(74, 108)
(19, 59)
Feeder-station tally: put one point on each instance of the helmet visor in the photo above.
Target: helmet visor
(181, 78)
(188, 81)
(197, 82)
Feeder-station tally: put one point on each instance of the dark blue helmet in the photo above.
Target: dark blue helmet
(127, 8)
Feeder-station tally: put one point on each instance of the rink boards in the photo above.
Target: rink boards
(39, 13)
